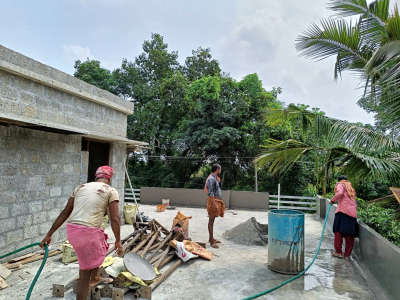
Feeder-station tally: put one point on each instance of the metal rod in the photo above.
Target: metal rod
(133, 192)
(279, 195)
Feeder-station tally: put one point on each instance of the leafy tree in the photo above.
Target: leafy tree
(200, 64)
(91, 72)
(227, 122)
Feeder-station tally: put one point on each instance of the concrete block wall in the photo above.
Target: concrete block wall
(38, 171)
(25, 99)
(117, 162)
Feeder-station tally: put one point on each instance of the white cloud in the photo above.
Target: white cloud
(262, 40)
(75, 52)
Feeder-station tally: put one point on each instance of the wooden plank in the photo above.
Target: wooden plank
(31, 259)
(3, 284)
(4, 272)
(293, 197)
(15, 259)
(294, 207)
(292, 202)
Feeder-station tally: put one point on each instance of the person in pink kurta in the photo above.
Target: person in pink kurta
(345, 223)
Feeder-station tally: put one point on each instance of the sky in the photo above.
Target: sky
(245, 36)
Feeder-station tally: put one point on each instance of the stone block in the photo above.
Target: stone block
(49, 203)
(69, 169)
(24, 221)
(50, 179)
(2, 241)
(39, 217)
(55, 191)
(44, 228)
(8, 197)
(15, 236)
(4, 131)
(19, 209)
(31, 231)
(53, 214)
(35, 207)
(4, 211)
(7, 169)
(34, 183)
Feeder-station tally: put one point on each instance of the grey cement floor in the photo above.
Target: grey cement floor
(235, 272)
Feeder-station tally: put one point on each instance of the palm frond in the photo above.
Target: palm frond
(359, 138)
(334, 37)
(279, 156)
(372, 18)
(364, 166)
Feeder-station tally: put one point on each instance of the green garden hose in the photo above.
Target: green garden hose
(46, 254)
(302, 272)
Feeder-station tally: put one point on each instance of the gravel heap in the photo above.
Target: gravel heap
(248, 233)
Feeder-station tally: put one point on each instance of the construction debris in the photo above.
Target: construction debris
(17, 263)
(248, 233)
(147, 250)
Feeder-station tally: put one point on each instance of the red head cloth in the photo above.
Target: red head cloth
(104, 172)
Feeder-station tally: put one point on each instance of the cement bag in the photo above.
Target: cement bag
(182, 221)
(182, 253)
(68, 253)
(130, 213)
(196, 249)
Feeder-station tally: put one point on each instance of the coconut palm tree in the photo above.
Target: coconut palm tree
(368, 46)
(357, 151)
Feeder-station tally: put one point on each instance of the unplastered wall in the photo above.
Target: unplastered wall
(38, 171)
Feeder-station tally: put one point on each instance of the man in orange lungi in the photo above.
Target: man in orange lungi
(215, 205)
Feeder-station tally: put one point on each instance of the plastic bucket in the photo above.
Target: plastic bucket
(286, 241)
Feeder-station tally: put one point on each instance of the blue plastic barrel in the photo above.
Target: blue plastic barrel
(286, 241)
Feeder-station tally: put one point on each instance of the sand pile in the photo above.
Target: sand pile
(248, 233)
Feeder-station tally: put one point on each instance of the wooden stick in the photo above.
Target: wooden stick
(166, 261)
(164, 275)
(155, 235)
(162, 257)
(132, 242)
(142, 243)
(165, 230)
(134, 234)
(157, 258)
(166, 240)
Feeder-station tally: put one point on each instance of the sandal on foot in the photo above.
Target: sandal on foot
(214, 245)
(338, 255)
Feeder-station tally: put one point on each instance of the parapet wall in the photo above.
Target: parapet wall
(378, 259)
(197, 198)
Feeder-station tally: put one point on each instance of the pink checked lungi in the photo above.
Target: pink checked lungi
(90, 245)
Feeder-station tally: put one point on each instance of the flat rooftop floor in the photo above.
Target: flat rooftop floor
(236, 271)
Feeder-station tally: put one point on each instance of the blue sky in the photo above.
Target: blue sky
(247, 36)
